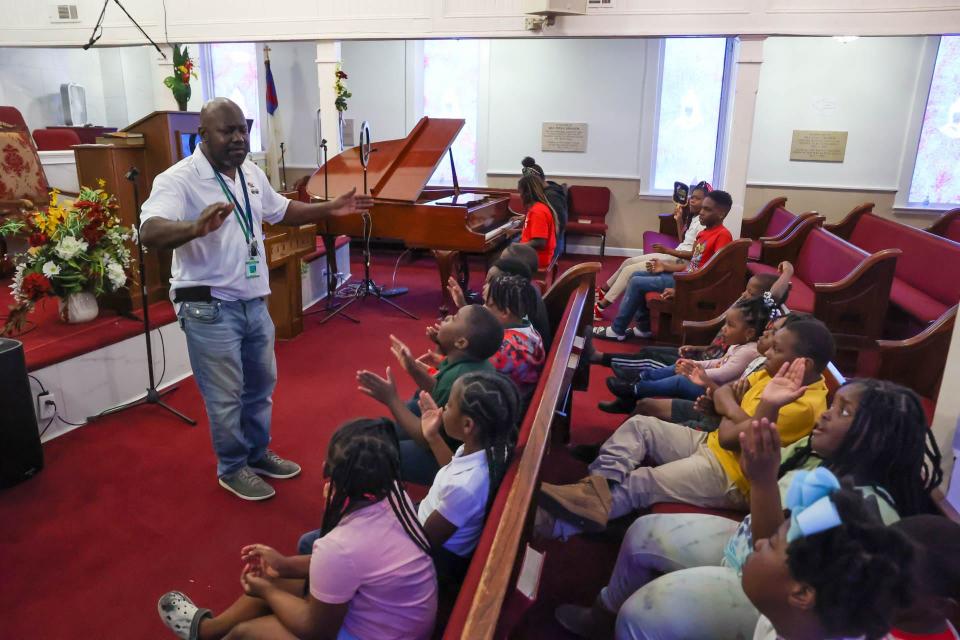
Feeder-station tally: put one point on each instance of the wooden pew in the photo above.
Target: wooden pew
(493, 572)
(947, 226)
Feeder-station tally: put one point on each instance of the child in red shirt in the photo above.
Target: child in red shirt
(540, 225)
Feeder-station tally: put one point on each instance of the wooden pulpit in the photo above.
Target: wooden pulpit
(285, 246)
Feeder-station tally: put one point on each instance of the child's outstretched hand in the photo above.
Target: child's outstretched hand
(704, 404)
(383, 390)
(786, 268)
(269, 561)
(456, 292)
(402, 353)
(430, 358)
(787, 386)
(693, 371)
(668, 293)
(432, 332)
(760, 452)
(740, 388)
(254, 583)
(654, 266)
(431, 416)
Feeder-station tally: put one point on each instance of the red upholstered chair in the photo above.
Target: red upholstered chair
(516, 204)
(23, 185)
(55, 139)
(588, 213)
(12, 116)
(947, 225)
(666, 235)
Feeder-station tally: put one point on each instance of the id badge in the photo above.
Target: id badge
(252, 268)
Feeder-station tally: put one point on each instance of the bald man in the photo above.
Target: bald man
(209, 208)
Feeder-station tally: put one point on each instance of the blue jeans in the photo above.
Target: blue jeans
(231, 353)
(635, 303)
(665, 382)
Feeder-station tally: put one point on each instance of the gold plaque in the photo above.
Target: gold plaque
(818, 146)
(564, 136)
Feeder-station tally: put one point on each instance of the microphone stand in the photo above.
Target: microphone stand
(152, 396)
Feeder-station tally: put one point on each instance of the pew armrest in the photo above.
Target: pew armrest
(844, 228)
(700, 332)
(754, 227)
(787, 248)
(709, 291)
(917, 362)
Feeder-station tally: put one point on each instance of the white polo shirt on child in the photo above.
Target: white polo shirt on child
(459, 493)
(218, 259)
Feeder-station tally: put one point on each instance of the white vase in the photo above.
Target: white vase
(79, 307)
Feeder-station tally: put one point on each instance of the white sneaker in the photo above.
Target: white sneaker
(607, 333)
(637, 333)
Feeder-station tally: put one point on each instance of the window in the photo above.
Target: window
(936, 180)
(444, 97)
(691, 102)
(230, 70)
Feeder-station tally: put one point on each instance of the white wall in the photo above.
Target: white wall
(295, 76)
(599, 82)
(378, 79)
(864, 87)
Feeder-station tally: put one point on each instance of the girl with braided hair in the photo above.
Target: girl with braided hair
(512, 299)
(541, 225)
(369, 574)
(483, 412)
(874, 433)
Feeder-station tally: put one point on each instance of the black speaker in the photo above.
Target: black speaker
(21, 455)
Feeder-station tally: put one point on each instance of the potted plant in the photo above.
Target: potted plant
(179, 82)
(78, 250)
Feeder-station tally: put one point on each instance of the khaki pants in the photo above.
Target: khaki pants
(686, 471)
(617, 283)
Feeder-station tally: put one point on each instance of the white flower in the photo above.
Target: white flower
(50, 269)
(69, 247)
(116, 274)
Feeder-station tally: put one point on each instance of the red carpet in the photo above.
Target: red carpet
(46, 340)
(129, 507)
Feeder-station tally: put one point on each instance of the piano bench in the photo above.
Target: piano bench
(322, 250)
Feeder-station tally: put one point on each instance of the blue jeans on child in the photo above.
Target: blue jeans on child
(230, 344)
(635, 302)
(665, 382)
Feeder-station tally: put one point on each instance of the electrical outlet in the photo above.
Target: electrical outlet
(47, 405)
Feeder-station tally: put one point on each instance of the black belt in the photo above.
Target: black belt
(192, 294)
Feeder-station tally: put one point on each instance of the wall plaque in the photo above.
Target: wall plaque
(564, 136)
(818, 146)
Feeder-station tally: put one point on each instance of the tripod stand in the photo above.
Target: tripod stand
(366, 287)
(152, 396)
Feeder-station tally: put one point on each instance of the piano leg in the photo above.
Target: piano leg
(447, 261)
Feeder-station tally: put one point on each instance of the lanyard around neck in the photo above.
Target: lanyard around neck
(244, 217)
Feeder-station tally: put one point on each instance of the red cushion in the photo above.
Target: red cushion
(929, 406)
(652, 237)
(915, 302)
(679, 507)
(753, 253)
(588, 202)
(925, 256)
(55, 139)
(826, 258)
(802, 296)
(779, 221)
(12, 116)
(583, 227)
(516, 204)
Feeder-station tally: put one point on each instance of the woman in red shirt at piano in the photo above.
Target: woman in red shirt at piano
(540, 225)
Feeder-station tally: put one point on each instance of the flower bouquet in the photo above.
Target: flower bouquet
(179, 82)
(76, 250)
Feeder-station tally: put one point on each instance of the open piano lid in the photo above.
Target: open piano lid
(398, 169)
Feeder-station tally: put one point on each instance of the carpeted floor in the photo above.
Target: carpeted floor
(129, 508)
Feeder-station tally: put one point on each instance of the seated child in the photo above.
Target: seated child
(688, 226)
(483, 412)
(466, 340)
(874, 433)
(743, 325)
(659, 276)
(369, 574)
(540, 226)
(937, 579)
(627, 366)
(521, 355)
(696, 467)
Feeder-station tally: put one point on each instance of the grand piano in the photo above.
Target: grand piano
(450, 221)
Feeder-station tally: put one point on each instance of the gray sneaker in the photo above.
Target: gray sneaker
(273, 466)
(244, 483)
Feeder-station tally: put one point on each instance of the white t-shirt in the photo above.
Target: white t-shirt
(459, 493)
(690, 237)
(217, 260)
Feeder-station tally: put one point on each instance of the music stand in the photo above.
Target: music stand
(366, 287)
(152, 396)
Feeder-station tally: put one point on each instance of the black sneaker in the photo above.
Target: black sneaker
(273, 466)
(621, 388)
(244, 483)
(617, 406)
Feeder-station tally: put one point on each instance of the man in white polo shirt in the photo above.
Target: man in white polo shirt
(209, 209)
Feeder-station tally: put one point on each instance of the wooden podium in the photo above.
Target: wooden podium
(168, 136)
(285, 246)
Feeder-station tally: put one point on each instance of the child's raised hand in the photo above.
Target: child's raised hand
(402, 353)
(383, 390)
(430, 358)
(786, 268)
(704, 404)
(268, 560)
(456, 292)
(433, 331)
(740, 388)
(760, 452)
(787, 386)
(668, 293)
(431, 416)
(253, 582)
(693, 371)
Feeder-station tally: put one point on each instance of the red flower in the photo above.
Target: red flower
(92, 234)
(84, 204)
(38, 239)
(35, 286)
(341, 75)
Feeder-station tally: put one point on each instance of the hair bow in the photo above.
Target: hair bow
(772, 307)
(808, 499)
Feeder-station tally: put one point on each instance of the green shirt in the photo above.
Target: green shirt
(448, 372)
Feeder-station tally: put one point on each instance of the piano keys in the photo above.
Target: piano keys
(449, 221)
